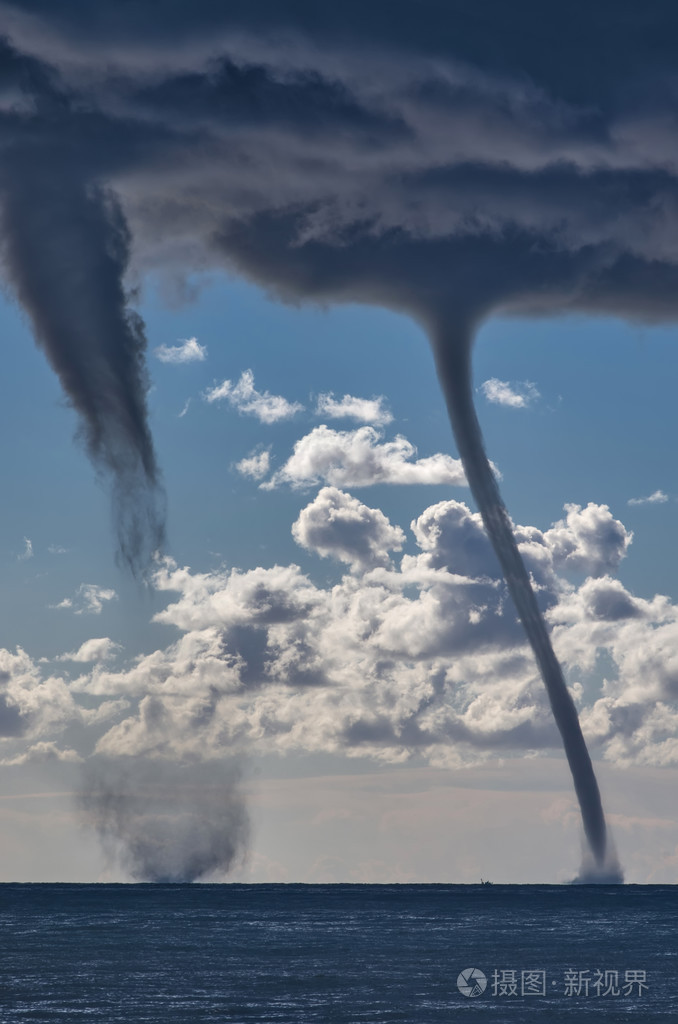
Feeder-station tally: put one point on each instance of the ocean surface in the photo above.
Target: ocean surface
(350, 954)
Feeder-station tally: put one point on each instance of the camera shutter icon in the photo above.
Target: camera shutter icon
(472, 982)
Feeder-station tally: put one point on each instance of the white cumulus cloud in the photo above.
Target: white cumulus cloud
(255, 466)
(337, 525)
(244, 397)
(96, 649)
(657, 498)
(588, 540)
(365, 410)
(189, 351)
(359, 458)
(32, 704)
(516, 395)
(412, 655)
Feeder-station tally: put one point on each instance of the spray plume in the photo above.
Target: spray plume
(166, 823)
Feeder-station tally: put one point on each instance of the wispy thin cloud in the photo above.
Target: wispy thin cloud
(657, 498)
(190, 351)
(45, 750)
(514, 394)
(244, 397)
(364, 410)
(57, 549)
(89, 599)
(27, 551)
(185, 409)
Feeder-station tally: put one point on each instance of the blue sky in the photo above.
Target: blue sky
(601, 430)
(596, 427)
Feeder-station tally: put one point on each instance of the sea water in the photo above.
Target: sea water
(350, 954)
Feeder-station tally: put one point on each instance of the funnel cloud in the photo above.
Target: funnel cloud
(453, 360)
(66, 249)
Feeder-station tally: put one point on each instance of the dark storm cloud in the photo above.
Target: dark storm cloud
(577, 47)
(326, 140)
(228, 96)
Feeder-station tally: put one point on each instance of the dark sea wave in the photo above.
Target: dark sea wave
(351, 954)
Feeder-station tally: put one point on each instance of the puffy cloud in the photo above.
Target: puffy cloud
(198, 664)
(89, 599)
(427, 658)
(607, 600)
(339, 526)
(190, 351)
(635, 719)
(41, 752)
(454, 538)
(388, 664)
(223, 599)
(244, 397)
(96, 649)
(365, 410)
(516, 396)
(656, 498)
(359, 458)
(588, 540)
(364, 667)
(32, 705)
(419, 655)
(256, 465)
